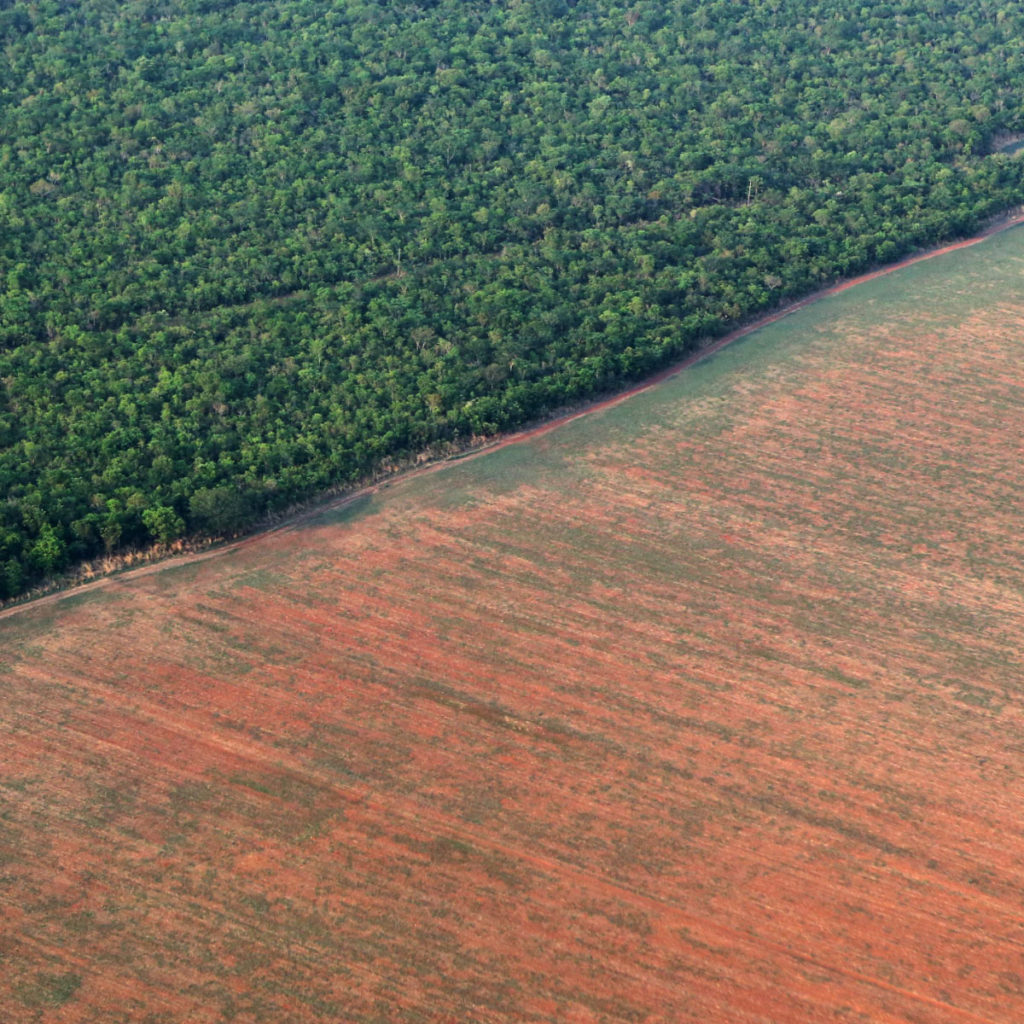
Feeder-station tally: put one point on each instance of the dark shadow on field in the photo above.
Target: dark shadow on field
(348, 511)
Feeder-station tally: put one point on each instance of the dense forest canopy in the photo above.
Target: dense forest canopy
(250, 250)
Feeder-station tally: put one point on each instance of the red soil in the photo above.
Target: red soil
(716, 718)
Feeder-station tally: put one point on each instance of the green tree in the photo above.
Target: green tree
(47, 553)
(163, 523)
(220, 510)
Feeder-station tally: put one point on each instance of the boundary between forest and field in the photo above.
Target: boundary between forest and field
(158, 559)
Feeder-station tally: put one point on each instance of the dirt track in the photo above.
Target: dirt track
(516, 437)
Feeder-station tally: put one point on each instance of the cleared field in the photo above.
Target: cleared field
(704, 708)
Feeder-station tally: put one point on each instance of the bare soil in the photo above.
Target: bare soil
(703, 708)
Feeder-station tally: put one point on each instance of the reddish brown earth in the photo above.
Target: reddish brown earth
(704, 708)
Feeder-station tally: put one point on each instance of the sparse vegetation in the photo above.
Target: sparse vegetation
(704, 708)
